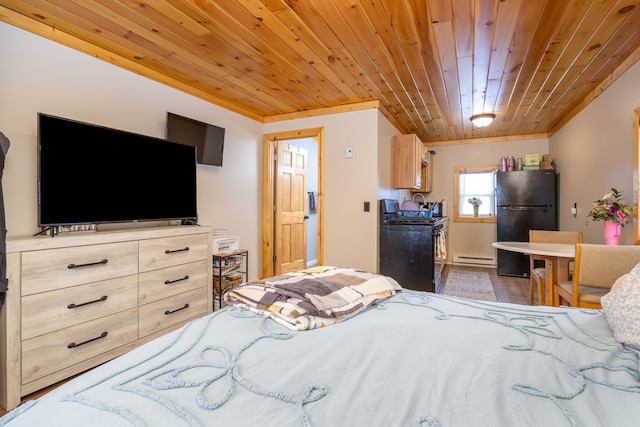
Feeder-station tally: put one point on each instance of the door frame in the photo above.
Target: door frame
(268, 193)
(636, 176)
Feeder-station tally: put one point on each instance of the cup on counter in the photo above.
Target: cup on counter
(519, 164)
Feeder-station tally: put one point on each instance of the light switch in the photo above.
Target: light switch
(348, 153)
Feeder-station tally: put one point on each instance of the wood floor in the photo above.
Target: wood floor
(508, 289)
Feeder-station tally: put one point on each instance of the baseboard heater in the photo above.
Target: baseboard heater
(474, 260)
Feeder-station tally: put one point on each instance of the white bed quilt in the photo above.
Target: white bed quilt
(415, 359)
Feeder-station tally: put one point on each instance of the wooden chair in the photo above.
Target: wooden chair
(596, 269)
(538, 275)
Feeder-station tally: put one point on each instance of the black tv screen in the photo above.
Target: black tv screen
(90, 174)
(208, 139)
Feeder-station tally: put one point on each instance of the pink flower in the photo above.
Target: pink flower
(621, 216)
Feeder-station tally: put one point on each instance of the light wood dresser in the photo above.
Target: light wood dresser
(78, 300)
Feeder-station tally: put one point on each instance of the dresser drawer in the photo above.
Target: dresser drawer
(173, 310)
(49, 311)
(170, 251)
(158, 284)
(52, 352)
(52, 269)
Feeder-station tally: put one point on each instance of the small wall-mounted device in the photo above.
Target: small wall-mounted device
(348, 153)
(574, 209)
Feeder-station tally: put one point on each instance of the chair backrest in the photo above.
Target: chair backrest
(601, 265)
(548, 236)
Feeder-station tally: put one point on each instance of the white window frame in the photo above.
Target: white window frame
(486, 215)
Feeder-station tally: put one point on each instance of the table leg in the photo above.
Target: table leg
(550, 281)
(557, 271)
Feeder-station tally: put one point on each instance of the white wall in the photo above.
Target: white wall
(386, 132)
(595, 152)
(37, 75)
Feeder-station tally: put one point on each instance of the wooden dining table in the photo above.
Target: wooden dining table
(556, 257)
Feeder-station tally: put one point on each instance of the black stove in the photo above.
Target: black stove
(407, 247)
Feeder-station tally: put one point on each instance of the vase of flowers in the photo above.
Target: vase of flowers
(475, 202)
(611, 232)
(613, 212)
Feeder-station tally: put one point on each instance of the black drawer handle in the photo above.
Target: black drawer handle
(104, 261)
(168, 282)
(73, 345)
(102, 298)
(177, 309)
(176, 250)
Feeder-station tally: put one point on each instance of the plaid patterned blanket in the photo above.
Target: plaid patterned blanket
(315, 297)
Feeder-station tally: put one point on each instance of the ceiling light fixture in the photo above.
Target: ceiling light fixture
(482, 120)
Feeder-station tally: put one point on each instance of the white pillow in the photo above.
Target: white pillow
(622, 308)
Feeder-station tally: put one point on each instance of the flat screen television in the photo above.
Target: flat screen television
(90, 174)
(208, 139)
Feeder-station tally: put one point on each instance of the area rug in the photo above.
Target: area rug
(469, 284)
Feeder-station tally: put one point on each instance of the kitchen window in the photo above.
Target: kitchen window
(478, 182)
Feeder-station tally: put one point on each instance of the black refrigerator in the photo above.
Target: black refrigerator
(525, 200)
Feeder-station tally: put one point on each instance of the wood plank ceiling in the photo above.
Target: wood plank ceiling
(428, 64)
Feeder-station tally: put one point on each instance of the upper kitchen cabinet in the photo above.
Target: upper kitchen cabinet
(426, 171)
(407, 161)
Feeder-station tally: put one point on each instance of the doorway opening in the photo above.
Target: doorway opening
(276, 245)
